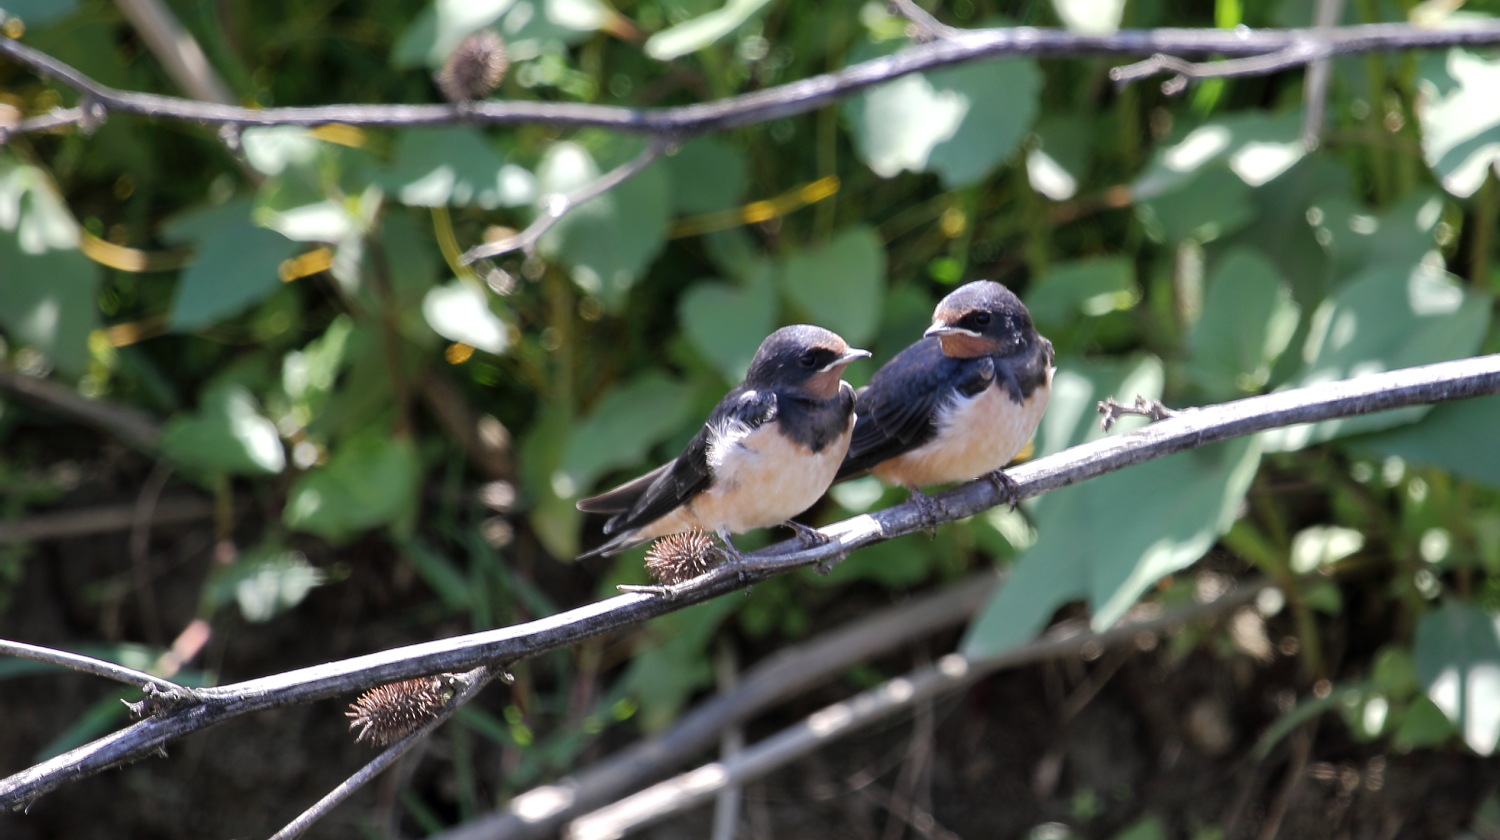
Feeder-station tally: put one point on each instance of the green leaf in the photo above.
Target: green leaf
(695, 34)
(1109, 539)
(48, 289)
(1256, 147)
(840, 286)
(227, 435)
(1445, 439)
(959, 123)
(621, 430)
(1323, 545)
(460, 311)
(39, 12)
(1248, 319)
(273, 150)
(455, 166)
(727, 323)
(1212, 204)
(234, 269)
(1073, 412)
(1388, 317)
(266, 582)
(664, 675)
(708, 174)
(1090, 287)
(370, 480)
(1457, 654)
(1460, 119)
(1058, 159)
(439, 27)
(610, 240)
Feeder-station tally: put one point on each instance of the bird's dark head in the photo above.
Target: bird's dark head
(803, 357)
(983, 318)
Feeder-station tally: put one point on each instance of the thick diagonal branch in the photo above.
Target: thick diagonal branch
(1436, 383)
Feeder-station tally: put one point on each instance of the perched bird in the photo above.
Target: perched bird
(768, 451)
(959, 403)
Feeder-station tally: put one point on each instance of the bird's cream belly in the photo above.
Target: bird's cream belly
(763, 480)
(975, 436)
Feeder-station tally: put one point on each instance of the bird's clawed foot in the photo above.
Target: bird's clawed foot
(1009, 490)
(809, 537)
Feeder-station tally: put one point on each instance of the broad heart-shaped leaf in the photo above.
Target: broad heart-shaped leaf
(1077, 387)
(460, 311)
(696, 33)
(233, 269)
(1059, 155)
(1255, 147)
(1084, 287)
(621, 430)
(1248, 318)
(707, 174)
(227, 435)
(1388, 317)
(841, 285)
(438, 28)
(959, 123)
(611, 239)
(455, 166)
(1460, 118)
(1109, 539)
(1214, 203)
(47, 286)
(1446, 438)
(370, 480)
(727, 324)
(1457, 655)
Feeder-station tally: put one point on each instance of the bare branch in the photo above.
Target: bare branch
(951, 673)
(1191, 429)
(542, 811)
(924, 27)
(555, 206)
(1274, 49)
(473, 682)
(90, 665)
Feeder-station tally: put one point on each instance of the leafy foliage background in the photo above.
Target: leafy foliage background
(358, 406)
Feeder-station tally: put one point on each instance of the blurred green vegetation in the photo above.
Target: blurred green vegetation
(310, 343)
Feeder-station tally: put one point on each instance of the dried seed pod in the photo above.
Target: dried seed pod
(390, 712)
(475, 68)
(679, 557)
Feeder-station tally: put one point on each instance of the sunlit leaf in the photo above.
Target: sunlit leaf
(1247, 321)
(695, 34)
(611, 239)
(1388, 317)
(228, 434)
(1256, 147)
(1322, 545)
(369, 481)
(1082, 288)
(841, 285)
(460, 311)
(438, 28)
(266, 582)
(960, 123)
(1091, 17)
(1457, 654)
(48, 286)
(455, 165)
(1460, 118)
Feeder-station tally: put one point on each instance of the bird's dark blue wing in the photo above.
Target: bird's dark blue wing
(690, 473)
(898, 410)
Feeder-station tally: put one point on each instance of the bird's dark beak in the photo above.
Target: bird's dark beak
(850, 355)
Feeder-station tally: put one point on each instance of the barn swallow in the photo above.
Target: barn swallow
(959, 403)
(768, 451)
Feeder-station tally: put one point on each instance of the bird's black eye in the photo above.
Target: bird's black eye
(808, 359)
(980, 319)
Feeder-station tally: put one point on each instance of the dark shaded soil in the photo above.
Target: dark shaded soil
(1095, 746)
